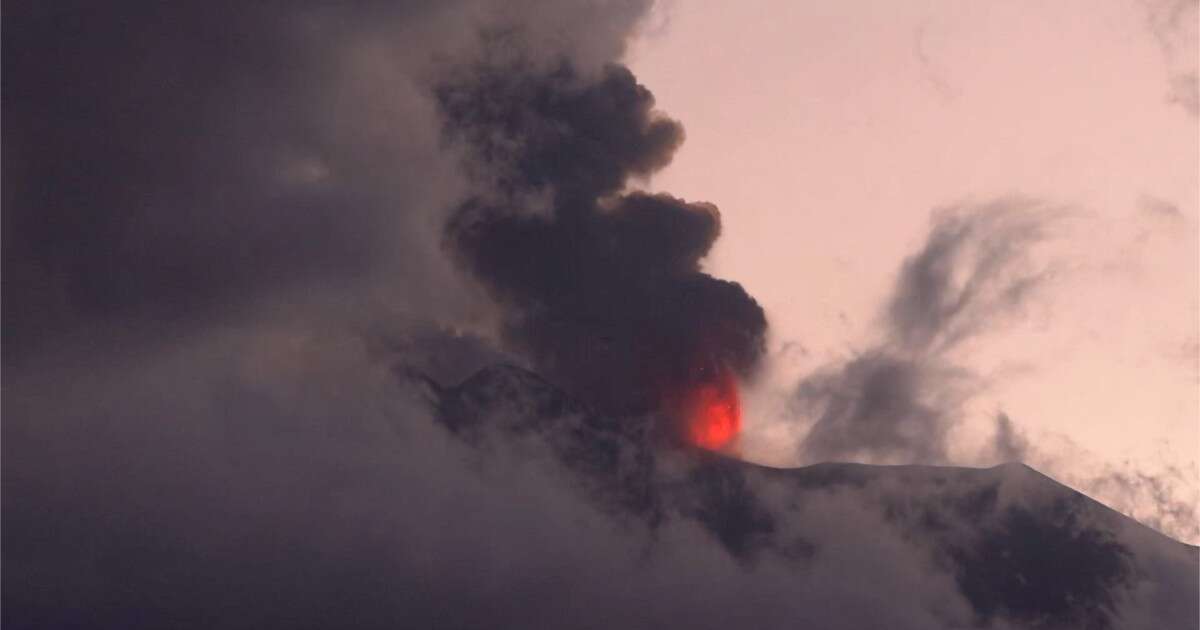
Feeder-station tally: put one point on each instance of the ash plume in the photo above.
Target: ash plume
(601, 288)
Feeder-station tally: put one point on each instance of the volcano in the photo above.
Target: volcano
(1021, 549)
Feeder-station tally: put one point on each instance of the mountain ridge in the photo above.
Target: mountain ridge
(1021, 547)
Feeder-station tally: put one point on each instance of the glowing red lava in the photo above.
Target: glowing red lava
(711, 412)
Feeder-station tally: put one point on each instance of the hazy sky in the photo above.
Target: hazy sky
(827, 132)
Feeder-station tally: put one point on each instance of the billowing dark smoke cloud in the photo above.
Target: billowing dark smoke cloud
(602, 289)
(897, 401)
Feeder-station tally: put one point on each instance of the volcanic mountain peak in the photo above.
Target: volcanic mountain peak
(508, 397)
(1020, 547)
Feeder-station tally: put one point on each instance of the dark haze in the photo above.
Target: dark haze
(168, 165)
(603, 289)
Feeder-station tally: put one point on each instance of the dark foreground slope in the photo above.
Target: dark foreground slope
(503, 503)
(1021, 549)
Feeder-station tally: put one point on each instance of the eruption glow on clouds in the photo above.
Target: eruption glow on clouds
(711, 412)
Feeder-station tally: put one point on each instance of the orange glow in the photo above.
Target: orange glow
(712, 413)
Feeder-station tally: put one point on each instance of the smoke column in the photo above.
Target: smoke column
(601, 288)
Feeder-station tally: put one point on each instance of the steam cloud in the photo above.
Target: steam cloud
(602, 289)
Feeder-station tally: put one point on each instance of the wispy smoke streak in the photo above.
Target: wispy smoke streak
(897, 401)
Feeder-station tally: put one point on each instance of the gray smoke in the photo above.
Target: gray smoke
(897, 401)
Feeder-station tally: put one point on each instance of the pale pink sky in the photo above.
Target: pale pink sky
(827, 131)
